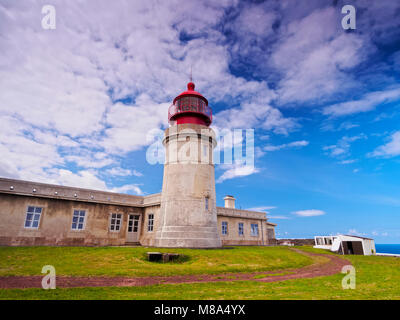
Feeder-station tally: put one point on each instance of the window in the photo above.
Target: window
(241, 229)
(207, 200)
(115, 223)
(224, 227)
(78, 220)
(33, 217)
(254, 229)
(205, 150)
(133, 223)
(150, 225)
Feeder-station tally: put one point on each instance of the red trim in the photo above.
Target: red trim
(191, 119)
(191, 93)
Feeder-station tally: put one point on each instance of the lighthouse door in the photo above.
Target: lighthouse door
(132, 234)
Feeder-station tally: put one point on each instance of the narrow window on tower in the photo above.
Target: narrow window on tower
(150, 224)
(224, 228)
(207, 199)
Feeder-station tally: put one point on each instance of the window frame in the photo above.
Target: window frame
(207, 203)
(241, 224)
(120, 224)
(77, 224)
(33, 218)
(133, 222)
(224, 224)
(150, 224)
(251, 228)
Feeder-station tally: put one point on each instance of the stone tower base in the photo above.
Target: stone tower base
(188, 237)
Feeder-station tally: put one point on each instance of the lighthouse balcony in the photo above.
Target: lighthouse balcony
(199, 109)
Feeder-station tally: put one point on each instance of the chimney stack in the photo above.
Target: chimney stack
(229, 202)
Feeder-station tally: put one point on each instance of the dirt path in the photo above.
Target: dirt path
(334, 266)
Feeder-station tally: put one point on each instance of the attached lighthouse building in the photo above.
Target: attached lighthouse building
(184, 214)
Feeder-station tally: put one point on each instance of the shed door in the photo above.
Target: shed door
(357, 247)
(132, 234)
(353, 247)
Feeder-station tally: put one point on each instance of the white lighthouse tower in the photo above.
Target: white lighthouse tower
(188, 214)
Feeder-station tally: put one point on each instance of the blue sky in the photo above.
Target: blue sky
(77, 103)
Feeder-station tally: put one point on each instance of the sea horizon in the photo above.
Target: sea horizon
(393, 248)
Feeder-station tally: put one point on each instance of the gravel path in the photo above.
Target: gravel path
(334, 266)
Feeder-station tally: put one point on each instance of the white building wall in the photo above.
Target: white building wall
(369, 247)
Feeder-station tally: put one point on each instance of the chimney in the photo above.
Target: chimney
(229, 202)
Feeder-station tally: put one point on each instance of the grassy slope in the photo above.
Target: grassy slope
(123, 261)
(377, 278)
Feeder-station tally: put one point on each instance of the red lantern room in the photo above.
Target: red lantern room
(190, 107)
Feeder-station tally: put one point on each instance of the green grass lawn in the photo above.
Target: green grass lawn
(376, 278)
(125, 261)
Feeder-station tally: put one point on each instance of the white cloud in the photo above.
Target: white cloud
(264, 208)
(294, 144)
(313, 60)
(86, 161)
(354, 232)
(348, 161)
(278, 217)
(390, 149)
(129, 187)
(369, 102)
(309, 213)
(235, 171)
(129, 126)
(118, 171)
(81, 179)
(87, 179)
(334, 150)
(342, 148)
(347, 125)
(255, 114)
(254, 20)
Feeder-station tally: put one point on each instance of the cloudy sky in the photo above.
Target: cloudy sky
(77, 103)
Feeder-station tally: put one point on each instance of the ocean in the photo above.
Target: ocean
(388, 248)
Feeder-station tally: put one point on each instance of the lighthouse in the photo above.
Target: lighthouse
(188, 214)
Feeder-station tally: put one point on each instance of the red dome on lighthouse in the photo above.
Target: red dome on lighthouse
(190, 107)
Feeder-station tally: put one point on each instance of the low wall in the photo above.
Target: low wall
(296, 242)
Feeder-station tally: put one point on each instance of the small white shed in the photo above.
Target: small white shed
(346, 244)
